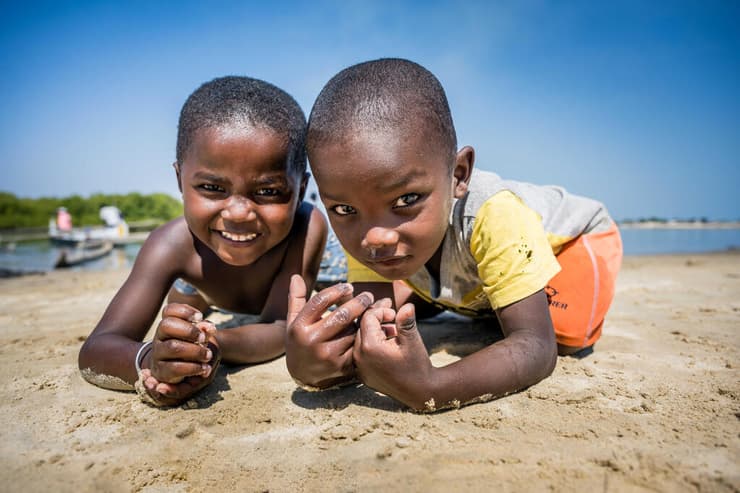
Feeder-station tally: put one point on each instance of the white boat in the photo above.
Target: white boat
(115, 229)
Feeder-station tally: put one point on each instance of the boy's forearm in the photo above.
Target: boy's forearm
(107, 360)
(252, 343)
(520, 360)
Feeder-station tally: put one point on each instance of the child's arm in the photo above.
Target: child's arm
(400, 366)
(107, 357)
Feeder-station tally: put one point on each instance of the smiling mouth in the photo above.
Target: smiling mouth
(242, 238)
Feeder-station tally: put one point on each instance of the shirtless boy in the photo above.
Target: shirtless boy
(241, 168)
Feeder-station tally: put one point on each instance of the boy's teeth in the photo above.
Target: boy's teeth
(236, 237)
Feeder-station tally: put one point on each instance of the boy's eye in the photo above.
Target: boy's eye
(268, 192)
(210, 187)
(406, 200)
(343, 210)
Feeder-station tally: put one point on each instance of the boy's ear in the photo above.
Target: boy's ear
(464, 160)
(176, 165)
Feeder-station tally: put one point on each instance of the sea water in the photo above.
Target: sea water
(41, 255)
(638, 241)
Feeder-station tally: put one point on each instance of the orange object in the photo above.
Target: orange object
(580, 294)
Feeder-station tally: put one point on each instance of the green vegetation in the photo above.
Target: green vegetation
(18, 212)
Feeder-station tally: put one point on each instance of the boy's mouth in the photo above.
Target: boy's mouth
(388, 261)
(238, 237)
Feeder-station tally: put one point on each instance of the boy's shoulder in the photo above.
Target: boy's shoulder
(310, 227)
(482, 187)
(486, 184)
(171, 241)
(175, 231)
(309, 221)
(560, 212)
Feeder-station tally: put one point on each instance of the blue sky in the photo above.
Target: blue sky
(634, 103)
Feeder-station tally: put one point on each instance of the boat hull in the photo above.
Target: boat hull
(84, 252)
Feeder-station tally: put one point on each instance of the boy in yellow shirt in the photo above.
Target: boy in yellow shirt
(426, 231)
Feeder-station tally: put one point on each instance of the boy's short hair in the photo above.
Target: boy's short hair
(246, 102)
(378, 95)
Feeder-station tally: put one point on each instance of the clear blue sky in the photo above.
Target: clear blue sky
(634, 103)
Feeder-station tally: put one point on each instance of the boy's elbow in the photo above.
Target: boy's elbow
(87, 362)
(88, 365)
(85, 357)
(82, 357)
(550, 361)
(543, 358)
(549, 358)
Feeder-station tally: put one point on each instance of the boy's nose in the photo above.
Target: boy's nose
(238, 209)
(378, 238)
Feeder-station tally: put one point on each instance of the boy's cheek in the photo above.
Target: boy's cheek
(348, 237)
(279, 219)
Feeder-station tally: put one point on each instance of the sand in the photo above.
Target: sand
(655, 408)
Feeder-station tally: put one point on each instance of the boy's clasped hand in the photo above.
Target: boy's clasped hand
(360, 339)
(183, 358)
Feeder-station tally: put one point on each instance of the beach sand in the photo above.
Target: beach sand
(654, 408)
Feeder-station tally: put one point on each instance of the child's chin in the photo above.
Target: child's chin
(395, 273)
(237, 260)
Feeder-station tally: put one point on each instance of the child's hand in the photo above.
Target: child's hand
(318, 350)
(165, 394)
(391, 358)
(184, 354)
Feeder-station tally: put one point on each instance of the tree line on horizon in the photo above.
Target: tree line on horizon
(16, 212)
(663, 220)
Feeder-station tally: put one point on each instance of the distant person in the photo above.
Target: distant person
(241, 168)
(425, 233)
(64, 219)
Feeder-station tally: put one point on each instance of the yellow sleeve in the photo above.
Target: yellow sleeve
(514, 257)
(356, 272)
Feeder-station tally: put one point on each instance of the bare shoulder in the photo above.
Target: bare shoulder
(317, 228)
(313, 230)
(175, 230)
(171, 243)
(313, 244)
(309, 227)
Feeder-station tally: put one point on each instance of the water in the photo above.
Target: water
(41, 255)
(660, 241)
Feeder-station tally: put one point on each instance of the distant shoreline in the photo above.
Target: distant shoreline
(680, 225)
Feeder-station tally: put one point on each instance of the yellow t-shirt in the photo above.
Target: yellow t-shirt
(511, 249)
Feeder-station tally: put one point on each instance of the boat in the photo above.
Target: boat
(84, 252)
(115, 229)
